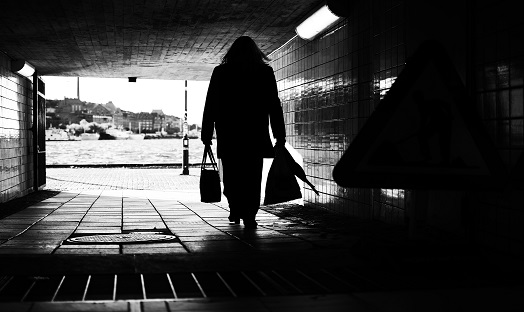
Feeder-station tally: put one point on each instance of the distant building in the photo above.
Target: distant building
(101, 114)
(144, 122)
(158, 119)
(51, 117)
(173, 124)
(120, 119)
(74, 106)
(137, 122)
(111, 107)
(74, 110)
(69, 111)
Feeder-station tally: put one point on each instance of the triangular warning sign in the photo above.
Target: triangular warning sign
(423, 134)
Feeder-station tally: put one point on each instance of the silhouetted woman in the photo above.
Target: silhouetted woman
(242, 100)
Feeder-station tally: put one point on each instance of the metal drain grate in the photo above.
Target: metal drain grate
(180, 285)
(134, 237)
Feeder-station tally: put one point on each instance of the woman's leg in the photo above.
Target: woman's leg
(229, 190)
(242, 182)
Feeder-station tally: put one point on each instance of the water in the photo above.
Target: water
(160, 151)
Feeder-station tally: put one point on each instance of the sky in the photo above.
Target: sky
(144, 95)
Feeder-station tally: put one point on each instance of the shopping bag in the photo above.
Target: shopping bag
(281, 185)
(296, 169)
(210, 190)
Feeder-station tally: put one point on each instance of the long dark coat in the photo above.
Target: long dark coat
(240, 105)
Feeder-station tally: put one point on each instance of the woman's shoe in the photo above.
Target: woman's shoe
(234, 220)
(250, 224)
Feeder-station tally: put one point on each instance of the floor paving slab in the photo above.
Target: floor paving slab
(89, 246)
(98, 229)
(105, 230)
(15, 227)
(206, 238)
(20, 250)
(88, 251)
(159, 250)
(99, 224)
(40, 246)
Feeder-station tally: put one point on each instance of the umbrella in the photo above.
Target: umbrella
(295, 168)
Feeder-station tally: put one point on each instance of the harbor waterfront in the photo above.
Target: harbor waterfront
(107, 152)
(133, 152)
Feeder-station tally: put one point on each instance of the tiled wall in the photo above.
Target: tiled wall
(329, 87)
(499, 87)
(16, 178)
(499, 71)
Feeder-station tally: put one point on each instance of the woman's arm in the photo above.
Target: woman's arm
(276, 115)
(210, 108)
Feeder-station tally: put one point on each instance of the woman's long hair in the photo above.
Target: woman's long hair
(244, 51)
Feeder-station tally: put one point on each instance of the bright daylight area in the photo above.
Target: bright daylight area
(144, 95)
(95, 110)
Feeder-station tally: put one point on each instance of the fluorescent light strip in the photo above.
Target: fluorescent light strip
(27, 70)
(316, 23)
(23, 68)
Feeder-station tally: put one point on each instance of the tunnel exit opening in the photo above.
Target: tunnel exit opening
(117, 123)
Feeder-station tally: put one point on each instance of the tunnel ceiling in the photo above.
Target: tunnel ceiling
(159, 39)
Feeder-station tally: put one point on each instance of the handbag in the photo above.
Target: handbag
(210, 190)
(281, 184)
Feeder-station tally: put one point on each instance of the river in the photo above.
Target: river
(157, 151)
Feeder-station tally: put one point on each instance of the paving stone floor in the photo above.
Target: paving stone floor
(388, 271)
(43, 227)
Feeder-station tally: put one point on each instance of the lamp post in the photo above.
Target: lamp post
(185, 140)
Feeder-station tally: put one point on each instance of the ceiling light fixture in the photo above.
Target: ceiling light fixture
(319, 21)
(23, 68)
